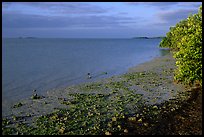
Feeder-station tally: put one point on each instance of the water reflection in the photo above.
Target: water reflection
(164, 51)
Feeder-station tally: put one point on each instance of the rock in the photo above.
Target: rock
(132, 118)
(107, 133)
(145, 124)
(140, 120)
(155, 107)
(125, 131)
(114, 119)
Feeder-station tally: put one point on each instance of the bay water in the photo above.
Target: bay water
(45, 63)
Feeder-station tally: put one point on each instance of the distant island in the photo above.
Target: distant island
(161, 37)
(27, 37)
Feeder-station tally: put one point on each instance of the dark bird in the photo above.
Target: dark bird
(89, 75)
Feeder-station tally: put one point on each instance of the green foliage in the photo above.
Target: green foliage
(18, 105)
(185, 39)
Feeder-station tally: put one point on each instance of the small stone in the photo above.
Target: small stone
(142, 73)
(125, 131)
(119, 126)
(172, 109)
(132, 118)
(140, 120)
(155, 107)
(114, 119)
(107, 133)
(28, 115)
(145, 124)
(109, 124)
(62, 130)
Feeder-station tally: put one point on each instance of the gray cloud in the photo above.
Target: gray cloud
(59, 7)
(190, 4)
(15, 20)
(173, 17)
(5, 5)
(160, 5)
(167, 5)
(58, 19)
(79, 20)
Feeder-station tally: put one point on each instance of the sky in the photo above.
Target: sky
(92, 19)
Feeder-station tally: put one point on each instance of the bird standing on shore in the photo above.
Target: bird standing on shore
(89, 75)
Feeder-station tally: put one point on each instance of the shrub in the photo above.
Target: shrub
(185, 40)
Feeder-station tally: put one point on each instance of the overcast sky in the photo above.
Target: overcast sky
(92, 19)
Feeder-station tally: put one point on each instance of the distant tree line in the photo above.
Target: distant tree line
(185, 42)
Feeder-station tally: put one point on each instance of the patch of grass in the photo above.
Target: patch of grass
(91, 86)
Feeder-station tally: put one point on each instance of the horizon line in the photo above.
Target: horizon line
(23, 37)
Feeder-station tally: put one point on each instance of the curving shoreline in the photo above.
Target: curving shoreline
(59, 92)
(148, 85)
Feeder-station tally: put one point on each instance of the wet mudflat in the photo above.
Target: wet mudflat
(144, 101)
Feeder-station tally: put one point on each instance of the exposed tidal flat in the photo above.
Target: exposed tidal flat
(138, 102)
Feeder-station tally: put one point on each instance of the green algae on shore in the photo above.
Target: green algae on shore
(132, 103)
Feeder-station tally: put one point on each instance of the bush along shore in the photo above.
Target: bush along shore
(146, 102)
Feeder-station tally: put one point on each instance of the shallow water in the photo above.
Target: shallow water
(44, 64)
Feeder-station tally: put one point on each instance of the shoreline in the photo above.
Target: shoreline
(149, 84)
(49, 93)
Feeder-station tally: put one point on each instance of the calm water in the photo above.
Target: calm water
(43, 64)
